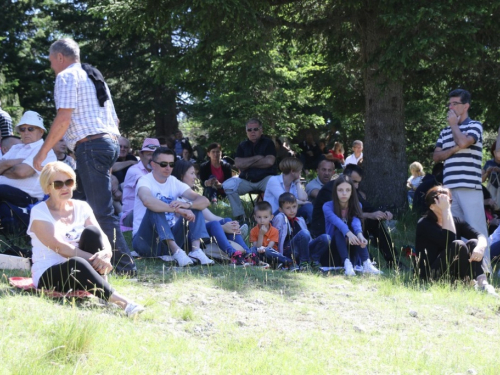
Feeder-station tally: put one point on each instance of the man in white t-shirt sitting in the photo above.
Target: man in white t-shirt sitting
(357, 155)
(159, 216)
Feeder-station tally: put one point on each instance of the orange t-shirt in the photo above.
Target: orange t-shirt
(271, 235)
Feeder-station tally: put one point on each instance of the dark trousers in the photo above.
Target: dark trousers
(77, 273)
(454, 262)
(383, 239)
(12, 212)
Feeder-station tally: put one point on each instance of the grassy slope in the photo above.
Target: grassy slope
(225, 320)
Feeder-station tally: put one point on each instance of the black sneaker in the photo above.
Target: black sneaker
(315, 266)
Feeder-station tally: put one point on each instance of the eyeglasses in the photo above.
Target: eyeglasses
(453, 104)
(164, 164)
(59, 184)
(28, 128)
(252, 129)
(125, 147)
(151, 147)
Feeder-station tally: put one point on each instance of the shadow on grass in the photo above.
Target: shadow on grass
(226, 277)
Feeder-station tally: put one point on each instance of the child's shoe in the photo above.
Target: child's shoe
(315, 266)
(237, 258)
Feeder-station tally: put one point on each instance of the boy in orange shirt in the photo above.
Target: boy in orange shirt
(264, 238)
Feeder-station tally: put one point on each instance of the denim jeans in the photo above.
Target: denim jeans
(15, 196)
(150, 239)
(306, 249)
(347, 251)
(94, 160)
(214, 229)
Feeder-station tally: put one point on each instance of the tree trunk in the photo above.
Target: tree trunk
(384, 154)
(165, 110)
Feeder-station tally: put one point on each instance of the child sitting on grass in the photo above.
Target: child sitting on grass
(343, 217)
(264, 237)
(295, 241)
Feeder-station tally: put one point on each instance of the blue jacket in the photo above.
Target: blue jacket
(332, 221)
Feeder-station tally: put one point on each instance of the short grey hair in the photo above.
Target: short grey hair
(67, 47)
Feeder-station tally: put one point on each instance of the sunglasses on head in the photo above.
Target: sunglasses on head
(252, 129)
(28, 128)
(164, 164)
(151, 147)
(59, 184)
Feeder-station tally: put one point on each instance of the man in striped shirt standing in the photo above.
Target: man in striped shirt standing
(5, 124)
(460, 146)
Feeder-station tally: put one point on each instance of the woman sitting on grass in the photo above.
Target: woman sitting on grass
(222, 229)
(440, 252)
(70, 251)
(343, 217)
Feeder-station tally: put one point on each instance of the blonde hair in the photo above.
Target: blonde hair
(338, 147)
(417, 167)
(290, 164)
(52, 168)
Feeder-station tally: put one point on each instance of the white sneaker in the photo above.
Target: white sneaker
(358, 268)
(133, 309)
(198, 254)
(490, 289)
(368, 267)
(349, 271)
(182, 259)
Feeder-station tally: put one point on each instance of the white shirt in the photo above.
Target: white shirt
(75, 90)
(274, 188)
(352, 159)
(43, 257)
(30, 185)
(167, 192)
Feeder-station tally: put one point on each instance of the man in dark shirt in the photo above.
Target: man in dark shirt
(255, 158)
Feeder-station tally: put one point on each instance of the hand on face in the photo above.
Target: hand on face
(442, 202)
(452, 117)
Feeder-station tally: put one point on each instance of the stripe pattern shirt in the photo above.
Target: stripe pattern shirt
(74, 90)
(5, 124)
(463, 169)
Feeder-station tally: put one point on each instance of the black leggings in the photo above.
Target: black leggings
(455, 262)
(77, 273)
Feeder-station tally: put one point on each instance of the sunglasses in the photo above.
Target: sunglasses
(252, 129)
(30, 129)
(151, 147)
(164, 164)
(59, 184)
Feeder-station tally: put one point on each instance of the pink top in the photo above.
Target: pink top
(133, 174)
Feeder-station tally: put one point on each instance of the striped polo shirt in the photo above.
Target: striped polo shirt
(463, 169)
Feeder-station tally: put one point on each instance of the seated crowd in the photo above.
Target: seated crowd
(298, 225)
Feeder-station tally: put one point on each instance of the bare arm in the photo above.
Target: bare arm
(19, 171)
(441, 155)
(45, 232)
(9, 163)
(461, 139)
(314, 193)
(151, 202)
(199, 201)
(57, 131)
(119, 165)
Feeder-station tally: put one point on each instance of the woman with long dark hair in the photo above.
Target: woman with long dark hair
(440, 250)
(343, 222)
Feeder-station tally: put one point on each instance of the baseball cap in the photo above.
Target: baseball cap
(150, 144)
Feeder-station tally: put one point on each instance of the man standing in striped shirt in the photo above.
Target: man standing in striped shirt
(460, 146)
(5, 124)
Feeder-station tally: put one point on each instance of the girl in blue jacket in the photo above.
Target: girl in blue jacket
(343, 217)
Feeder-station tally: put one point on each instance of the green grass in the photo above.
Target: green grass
(226, 320)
